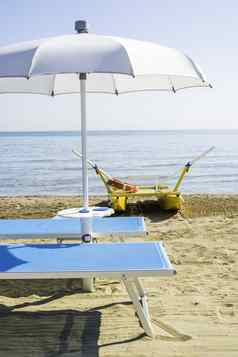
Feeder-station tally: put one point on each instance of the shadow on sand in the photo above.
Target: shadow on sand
(41, 287)
(62, 332)
(53, 333)
(49, 333)
(146, 208)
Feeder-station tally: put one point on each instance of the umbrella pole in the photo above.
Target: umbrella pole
(84, 139)
(88, 283)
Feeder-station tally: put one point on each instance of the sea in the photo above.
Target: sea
(42, 163)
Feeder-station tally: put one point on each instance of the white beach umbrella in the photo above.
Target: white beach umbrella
(83, 62)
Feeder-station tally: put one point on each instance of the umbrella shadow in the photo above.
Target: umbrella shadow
(49, 333)
(54, 333)
(57, 332)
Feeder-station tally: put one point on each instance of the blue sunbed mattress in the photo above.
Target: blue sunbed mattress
(63, 228)
(83, 260)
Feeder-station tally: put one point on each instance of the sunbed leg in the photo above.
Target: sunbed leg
(138, 297)
(88, 285)
(143, 296)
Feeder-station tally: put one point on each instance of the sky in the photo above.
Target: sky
(206, 30)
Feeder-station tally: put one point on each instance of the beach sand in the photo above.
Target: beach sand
(195, 313)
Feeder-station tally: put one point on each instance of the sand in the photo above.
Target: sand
(195, 313)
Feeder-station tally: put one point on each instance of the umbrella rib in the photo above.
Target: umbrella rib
(32, 60)
(197, 70)
(52, 92)
(114, 84)
(171, 83)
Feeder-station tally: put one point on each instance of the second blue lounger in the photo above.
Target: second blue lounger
(70, 228)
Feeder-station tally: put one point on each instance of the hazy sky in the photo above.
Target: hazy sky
(206, 30)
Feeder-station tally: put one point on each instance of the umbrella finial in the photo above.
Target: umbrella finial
(80, 26)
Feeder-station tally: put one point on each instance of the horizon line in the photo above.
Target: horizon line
(119, 130)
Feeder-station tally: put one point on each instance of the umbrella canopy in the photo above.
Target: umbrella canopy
(116, 65)
(61, 65)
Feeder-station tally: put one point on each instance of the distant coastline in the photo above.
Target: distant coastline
(120, 132)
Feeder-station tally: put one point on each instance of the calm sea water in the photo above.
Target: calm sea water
(42, 163)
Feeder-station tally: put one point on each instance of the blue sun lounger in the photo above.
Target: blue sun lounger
(70, 227)
(125, 261)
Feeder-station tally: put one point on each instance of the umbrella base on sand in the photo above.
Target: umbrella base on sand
(86, 216)
(80, 212)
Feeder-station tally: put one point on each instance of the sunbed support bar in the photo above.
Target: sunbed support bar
(138, 297)
(143, 295)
